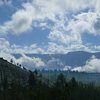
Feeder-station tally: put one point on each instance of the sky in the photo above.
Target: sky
(49, 26)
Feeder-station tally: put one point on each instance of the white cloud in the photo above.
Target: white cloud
(97, 25)
(21, 21)
(27, 62)
(70, 20)
(31, 63)
(92, 65)
(71, 34)
(67, 68)
(33, 48)
(6, 47)
(54, 63)
(54, 48)
(64, 37)
(83, 22)
(7, 56)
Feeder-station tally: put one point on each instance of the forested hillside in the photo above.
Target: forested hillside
(12, 72)
(37, 89)
(17, 83)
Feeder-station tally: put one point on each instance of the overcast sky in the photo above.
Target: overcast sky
(49, 26)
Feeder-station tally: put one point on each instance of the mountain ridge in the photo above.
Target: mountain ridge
(12, 72)
(73, 59)
(16, 73)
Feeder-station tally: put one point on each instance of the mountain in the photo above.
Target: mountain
(16, 73)
(12, 72)
(72, 59)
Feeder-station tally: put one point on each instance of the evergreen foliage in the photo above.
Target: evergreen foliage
(37, 89)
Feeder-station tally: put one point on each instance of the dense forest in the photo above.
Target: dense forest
(37, 89)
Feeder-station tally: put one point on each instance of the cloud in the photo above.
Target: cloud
(64, 37)
(71, 34)
(4, 45)
(31, 63)
(97, 25)
(54, 48)
(7, 56)
(7, 47)
(84, 22)
(33, 48)
(27, 62)
(53, 64)
(66, 68)
(21, 21)
(69, 19)
(92, 65)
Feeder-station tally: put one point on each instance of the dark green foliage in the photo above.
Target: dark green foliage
(37, 89)
(61, 81)
(32, 80)
(60, 89)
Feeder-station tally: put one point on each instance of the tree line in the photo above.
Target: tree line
(37, 89)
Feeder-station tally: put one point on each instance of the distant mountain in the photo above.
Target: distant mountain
(16, 73)
(72, 59)
(12, 72)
